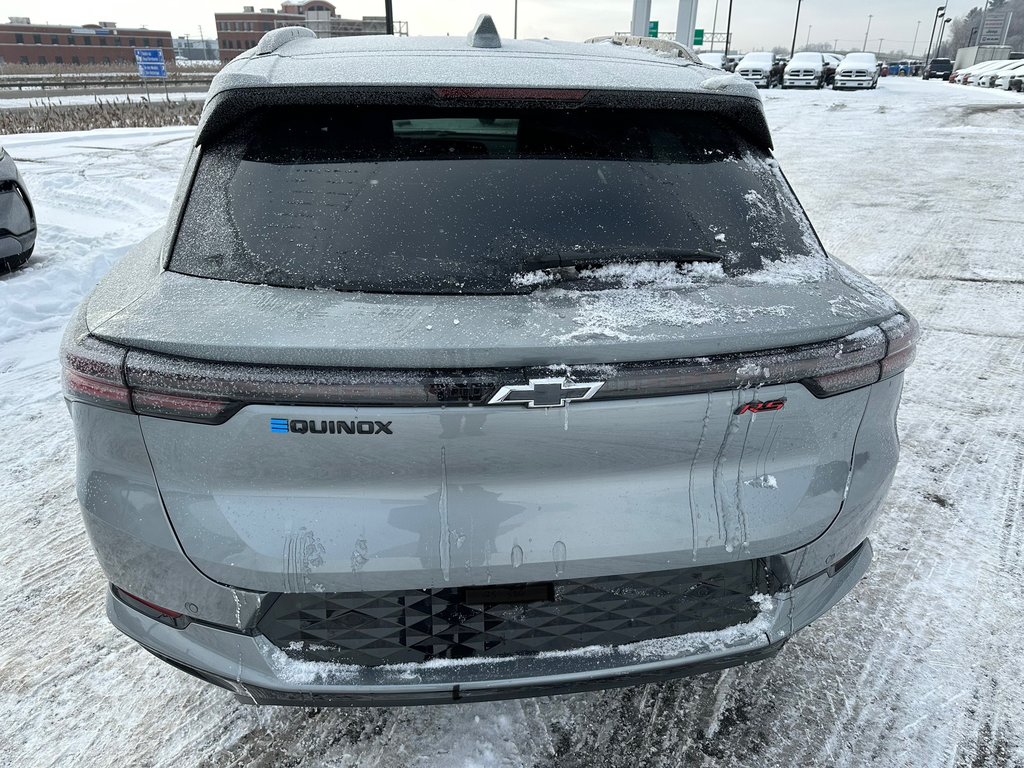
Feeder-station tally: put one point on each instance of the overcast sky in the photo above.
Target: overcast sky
(756, 24)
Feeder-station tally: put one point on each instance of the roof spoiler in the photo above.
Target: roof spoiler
(225, 108)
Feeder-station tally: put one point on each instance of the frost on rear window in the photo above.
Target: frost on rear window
(481, 201)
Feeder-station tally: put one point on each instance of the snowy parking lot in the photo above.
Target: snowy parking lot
(917, 184)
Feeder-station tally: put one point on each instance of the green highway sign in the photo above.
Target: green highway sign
(698, 37)
(652, 29)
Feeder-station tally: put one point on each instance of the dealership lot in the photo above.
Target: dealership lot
(919, 665)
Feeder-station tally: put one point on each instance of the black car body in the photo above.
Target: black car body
(17, 217)
(940, 68)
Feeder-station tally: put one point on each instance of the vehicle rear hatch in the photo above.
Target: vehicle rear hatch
(398, 348)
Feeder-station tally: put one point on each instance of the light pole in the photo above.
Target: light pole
(389, 18)
(938, 45)
(880, 41)
(865, 46)
(728, 28)
(939, 13)
(515, 20)
(796, 24)
(714, 25)
(915, 39)
(808, 43)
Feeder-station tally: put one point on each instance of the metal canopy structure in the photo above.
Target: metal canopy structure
(686, 20)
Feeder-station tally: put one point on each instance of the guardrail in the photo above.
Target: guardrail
(61, 83)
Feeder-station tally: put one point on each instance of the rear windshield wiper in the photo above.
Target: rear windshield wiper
(577, 260)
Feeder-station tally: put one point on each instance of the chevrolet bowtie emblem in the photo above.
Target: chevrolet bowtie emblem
(545, 393)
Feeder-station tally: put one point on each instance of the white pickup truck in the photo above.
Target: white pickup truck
(805, 70)
(856, 70)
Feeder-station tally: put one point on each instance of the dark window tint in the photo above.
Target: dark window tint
(420, 200)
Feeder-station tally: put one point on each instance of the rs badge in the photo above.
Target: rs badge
(759, 407)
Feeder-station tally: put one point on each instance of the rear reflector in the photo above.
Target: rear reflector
(205, 392)
(152, 610)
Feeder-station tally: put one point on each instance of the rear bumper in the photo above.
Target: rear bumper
(13, 246)
(258, 672)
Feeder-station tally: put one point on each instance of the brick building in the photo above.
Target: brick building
(237, 32)
(22, 42)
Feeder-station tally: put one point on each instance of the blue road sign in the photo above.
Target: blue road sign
(153, 55)
(150, 62)
(146, 70)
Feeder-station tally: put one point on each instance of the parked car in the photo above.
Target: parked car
(1009, 80)
(805, 70)
(939, 68)
(971, 77)
(963, 76)
(857, 70)
(990, 78)
(760, 68)
(457, 373)
(17, 217)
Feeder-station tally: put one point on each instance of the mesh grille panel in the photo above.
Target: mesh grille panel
(374, 628)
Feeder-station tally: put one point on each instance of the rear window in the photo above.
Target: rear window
(451, 201)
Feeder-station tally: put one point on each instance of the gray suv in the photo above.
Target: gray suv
(471, 369)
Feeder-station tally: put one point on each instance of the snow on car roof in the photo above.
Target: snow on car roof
(813, 55)
(451, 61)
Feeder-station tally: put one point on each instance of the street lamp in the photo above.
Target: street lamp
(714, 25)
(939, 13)
(796, 24)
(938, 45)
(728, 28)
(865, 47)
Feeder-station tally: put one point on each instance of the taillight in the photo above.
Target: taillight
(153, 384)
(93, 372)
(826, 369)
(96, 372)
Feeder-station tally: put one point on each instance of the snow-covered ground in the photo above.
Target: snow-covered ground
(917, 184)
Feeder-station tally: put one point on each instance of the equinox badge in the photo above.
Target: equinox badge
(545, 393)
(332, 427)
